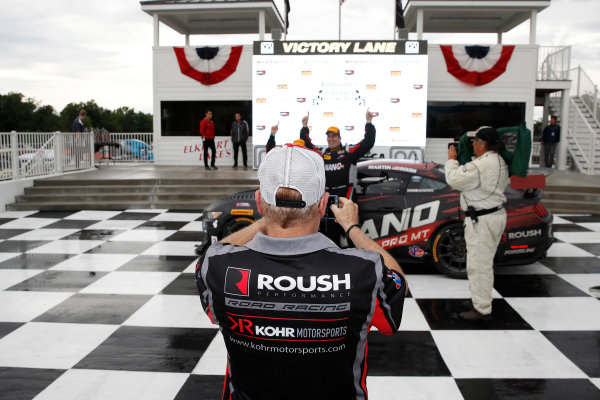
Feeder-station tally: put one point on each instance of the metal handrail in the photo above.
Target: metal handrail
(587, 90)
(590, 160)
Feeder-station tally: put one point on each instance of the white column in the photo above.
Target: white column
(261, 25)
(564, 129)
(156, 36)
(532, 26)
(545, 113)
(420, 24)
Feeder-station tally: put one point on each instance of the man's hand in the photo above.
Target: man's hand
(346, 214)
(452, 154)
(274, 129)
(305, 120)
(369, 116)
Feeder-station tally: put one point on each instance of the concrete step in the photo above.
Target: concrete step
(114, 205)
(144, 182)
(147, 189)
(122, 197)
(572, 206)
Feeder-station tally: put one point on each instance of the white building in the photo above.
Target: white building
(532, 75)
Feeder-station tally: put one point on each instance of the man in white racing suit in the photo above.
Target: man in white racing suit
(481, 183)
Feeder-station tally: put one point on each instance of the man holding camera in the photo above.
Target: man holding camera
(481, 183)
(294, 309)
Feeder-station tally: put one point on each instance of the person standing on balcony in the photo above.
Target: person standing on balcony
(239, 135)
(550, 138)
(207, 131)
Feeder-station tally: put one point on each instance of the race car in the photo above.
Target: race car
(410, 210)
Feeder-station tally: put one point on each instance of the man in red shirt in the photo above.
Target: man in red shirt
(207, 131)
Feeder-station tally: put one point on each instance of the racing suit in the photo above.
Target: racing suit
(295, 314)
(482, 183)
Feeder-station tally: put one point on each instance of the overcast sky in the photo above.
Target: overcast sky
(62, 51)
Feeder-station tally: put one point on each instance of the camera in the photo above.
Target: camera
(455, 144)
(333, 199)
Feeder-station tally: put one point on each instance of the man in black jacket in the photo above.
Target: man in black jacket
(239, 135)
(294, 309)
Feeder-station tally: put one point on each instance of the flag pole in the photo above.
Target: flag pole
(339, 19)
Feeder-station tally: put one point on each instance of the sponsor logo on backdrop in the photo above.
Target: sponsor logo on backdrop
(349, 128)
(394, 129)
(417, 115)
(260, 73)
(260, 127)
(395, 100)
(411, 47)
(267, 48)
(301, 99)
(306, 73)
(395, 73)
(328, 114)
(417, 86)
(261, 100)
(371, 87)
(349, 72)
(284, 114)
(282, 86)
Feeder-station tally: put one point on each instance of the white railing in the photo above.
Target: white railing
(26, 155)
(586, 89)
(554, 63)
(125, 147)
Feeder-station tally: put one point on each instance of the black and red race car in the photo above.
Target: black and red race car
(409, 209)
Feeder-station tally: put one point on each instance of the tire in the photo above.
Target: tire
(234, 225)
(449, 251)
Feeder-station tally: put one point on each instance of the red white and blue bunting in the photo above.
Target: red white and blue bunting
(476, 65)
(208, 65)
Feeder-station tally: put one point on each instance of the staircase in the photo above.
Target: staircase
(121, 194)
(572, 200)
(583, 130)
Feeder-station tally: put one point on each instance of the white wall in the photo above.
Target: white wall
(516, 84)
(170, 85)
(10, 189)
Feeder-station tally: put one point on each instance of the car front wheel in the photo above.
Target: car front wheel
(449, 251)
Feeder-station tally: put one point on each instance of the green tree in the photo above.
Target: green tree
(21, 114)
(16, 114)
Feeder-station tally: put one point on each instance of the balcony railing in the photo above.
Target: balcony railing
(554, 63)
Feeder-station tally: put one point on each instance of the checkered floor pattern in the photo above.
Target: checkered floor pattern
(103, 305)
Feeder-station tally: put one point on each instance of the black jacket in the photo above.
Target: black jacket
(295, 314)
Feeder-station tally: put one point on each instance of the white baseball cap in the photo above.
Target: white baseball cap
(295, 167)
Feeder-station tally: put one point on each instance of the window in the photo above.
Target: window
(450, 119)
(394, 184)
(182, 118)
(420, 184)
